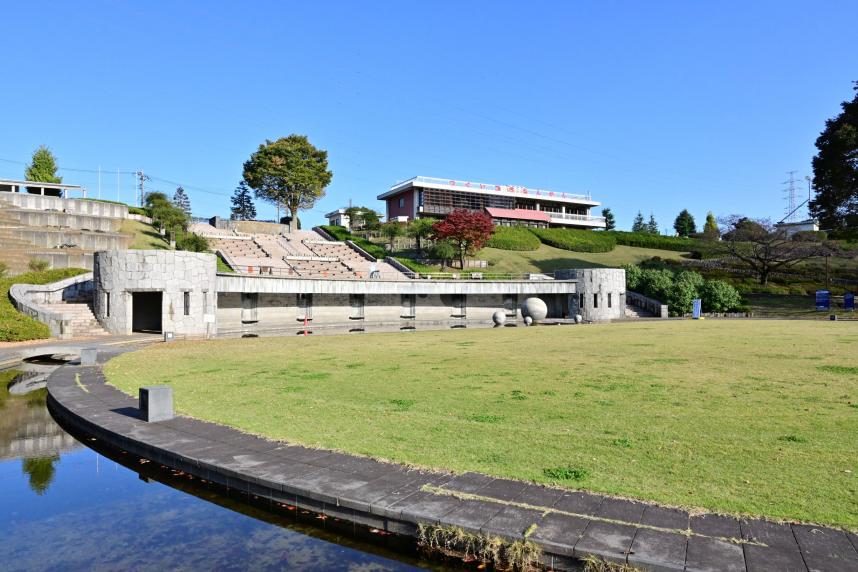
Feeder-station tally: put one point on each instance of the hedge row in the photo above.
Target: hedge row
(576, 240)
(340, 233)
(646, 240)
(513, 238)
(15, 326)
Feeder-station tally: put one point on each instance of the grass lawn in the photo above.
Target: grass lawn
(145, 236)
(756, 417)
(548, 259)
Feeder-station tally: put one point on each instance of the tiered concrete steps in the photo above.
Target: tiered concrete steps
(83, 322)
(634, 313)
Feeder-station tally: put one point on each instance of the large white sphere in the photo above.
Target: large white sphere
(535, 308)
(499, 317)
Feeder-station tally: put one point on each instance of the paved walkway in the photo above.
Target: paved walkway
(567, 525)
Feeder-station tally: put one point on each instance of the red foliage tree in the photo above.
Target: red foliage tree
(467, 230)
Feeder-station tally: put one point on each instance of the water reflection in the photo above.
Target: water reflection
(66, 507)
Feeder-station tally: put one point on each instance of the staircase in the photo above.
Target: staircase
(634, 313)
(82, 321)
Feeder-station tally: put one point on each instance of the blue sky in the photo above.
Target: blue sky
(652, 106)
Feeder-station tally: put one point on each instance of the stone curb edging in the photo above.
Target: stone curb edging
(567, 525)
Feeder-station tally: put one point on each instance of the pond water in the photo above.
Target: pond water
(68, 506)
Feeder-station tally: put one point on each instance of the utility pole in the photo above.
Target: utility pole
(99, 182)
(141, 179)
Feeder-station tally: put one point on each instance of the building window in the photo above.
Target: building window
(581, 300)
(357, 303)
(186, 303)
(402, 202)
(609, 300)
(596, 300)
(107, 304)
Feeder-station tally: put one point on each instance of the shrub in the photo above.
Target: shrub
(139, 211)
(415, 266)
(340, 233)
(633, 276)
(718, 296)
(38, 265)
(192, 243)
(576, 240)
(15, 326)
(513, 238)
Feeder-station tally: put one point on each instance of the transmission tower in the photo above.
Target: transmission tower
(790, 196)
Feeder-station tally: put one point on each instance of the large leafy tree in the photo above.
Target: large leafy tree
(242, 204)
(835, 170)
(182, 200)
(684, 224)
(390, 230)
(610, 221)
(43, 167)
(289, 172)
(765, 249)
(467, 230)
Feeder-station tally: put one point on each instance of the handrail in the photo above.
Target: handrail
(655, 307)
(22, 297)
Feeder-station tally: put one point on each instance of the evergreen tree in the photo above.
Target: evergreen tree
(242, 204)
(652, 226)
(835, 170)
(182, 200)
(43, 167)
(610, 222)
(684, 224)
(710, 229)
(639, 225)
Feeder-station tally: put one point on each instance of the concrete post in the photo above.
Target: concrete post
(88, 356)
(156, 403)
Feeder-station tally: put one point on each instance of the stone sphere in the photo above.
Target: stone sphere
(534, 308)
(499, 317)
(579, 318)
(528, 320)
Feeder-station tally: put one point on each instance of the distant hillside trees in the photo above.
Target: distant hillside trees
(835, 170)
(242, 204)
(651, 225)
(42, 167)
(610, 221)
(289, 172)
(684, 224)
(183, 201)
(639, 225)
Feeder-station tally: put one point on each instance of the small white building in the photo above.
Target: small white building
(339, 217)
(791, 228)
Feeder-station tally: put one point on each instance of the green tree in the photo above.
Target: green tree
(610, 222)
(420, 230)
(835, 170)
(684, 224)
(242, 204)
(710, 228)
(290, 172)
(651, 225)
(42, 167)
(639, 225)
(391, 230)
(718, 296)
(363, 218)
(444, 251)
(182, 200)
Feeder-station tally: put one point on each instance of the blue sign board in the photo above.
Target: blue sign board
(849, 301)
(823, 300)
(696, 308)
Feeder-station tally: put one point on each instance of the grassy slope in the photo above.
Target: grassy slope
(754, 417)
(145, 236)
(547, 258)
(15, 326)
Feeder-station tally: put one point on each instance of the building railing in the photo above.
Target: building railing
(475, 186)
(268, 271)
(577, 217)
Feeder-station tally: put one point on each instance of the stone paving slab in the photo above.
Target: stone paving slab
(566, 524)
